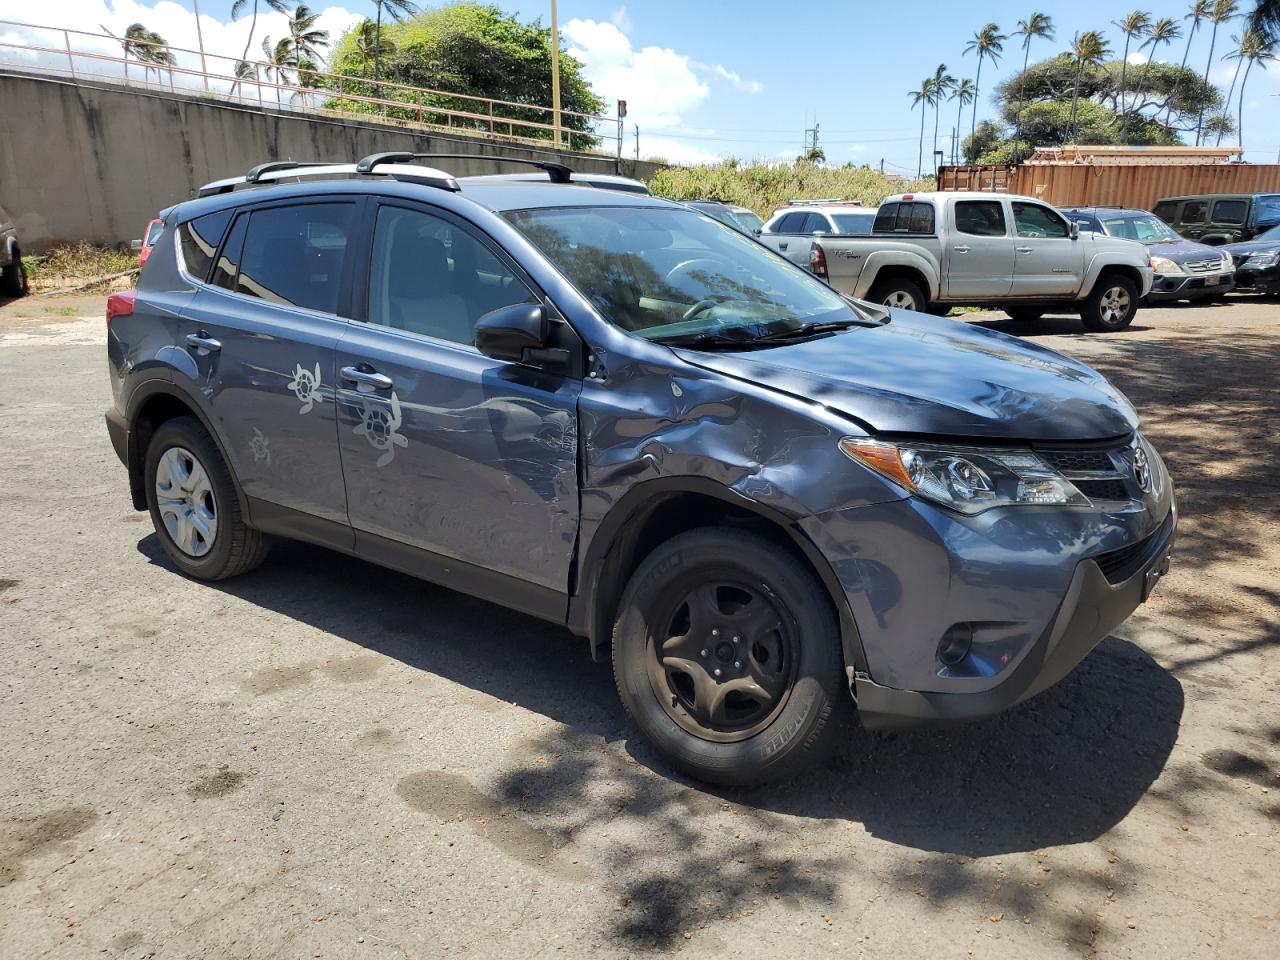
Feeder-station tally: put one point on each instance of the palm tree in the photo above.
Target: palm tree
(963, 92)
(1163, 31)
(1136, 24)
(1036, 25)
(1218, 124)
(371, 46)
(940, 85)
(397, 10)
(1238, 55)
(243, 71)
(134, 43)
(280, 57)
(1199, 11)
(158, 55)
(1254, 46)
(987, 43)
(237, 7)
(921, 98)
(1089, 48)
(307, 40)
(1223, 10)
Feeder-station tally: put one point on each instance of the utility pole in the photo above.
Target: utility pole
(882, 164)
(622, 115)
(555, 70)
(204, 67)
(637, 141)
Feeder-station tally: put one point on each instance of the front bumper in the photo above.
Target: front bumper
(1258, 281)
(1092, 608)
(1168, 289)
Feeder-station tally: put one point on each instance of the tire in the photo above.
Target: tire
(938, 309)
(1024, 314)
(227, 546)
(1111, 305)
(13, 279)
(898, 292)
(696, 583)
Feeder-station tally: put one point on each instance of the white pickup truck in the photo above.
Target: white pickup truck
(934, 251)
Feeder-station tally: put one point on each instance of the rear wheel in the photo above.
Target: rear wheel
(13, 279)
(193, 504)
(898, 292)
(727, 656)
(1024, 314)
(1111, 304)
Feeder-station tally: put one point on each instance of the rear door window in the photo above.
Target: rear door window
(1230, 211)
(921, 220)
(295, 255)
(791, 223)
(199, 240)
(980, 218)
(815, 223)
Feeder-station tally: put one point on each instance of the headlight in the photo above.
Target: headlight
(1260, 261)
(969, 480)
(1165, 267)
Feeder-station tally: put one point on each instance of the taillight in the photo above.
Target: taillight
(817, 261)
(120, 305)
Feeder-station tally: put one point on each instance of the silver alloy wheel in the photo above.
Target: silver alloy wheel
(901, 300)
(184, 499)
(1114, 305)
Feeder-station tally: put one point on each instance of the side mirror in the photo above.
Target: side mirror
(755, 232)
(1074, 230)
(517, 333)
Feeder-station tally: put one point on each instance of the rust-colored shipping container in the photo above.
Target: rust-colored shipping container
(1117, 176)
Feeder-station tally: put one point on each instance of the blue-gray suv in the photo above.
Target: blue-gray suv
(770, 502)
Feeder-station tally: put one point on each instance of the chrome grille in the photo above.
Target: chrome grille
(1204, 266)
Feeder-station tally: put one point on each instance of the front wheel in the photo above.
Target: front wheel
(899, 293)
(1111, 304)
(727, 656)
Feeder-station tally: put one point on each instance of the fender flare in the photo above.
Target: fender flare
(138, 399)
(589, 604)
(880, 261)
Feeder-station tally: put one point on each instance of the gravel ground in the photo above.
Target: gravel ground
(325, 759)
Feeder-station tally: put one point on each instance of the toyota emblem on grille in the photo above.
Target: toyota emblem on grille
(1142, 469)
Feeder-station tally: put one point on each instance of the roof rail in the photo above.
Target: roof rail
(558, 172)
(801, 202)
(272, 166)
(283, 169)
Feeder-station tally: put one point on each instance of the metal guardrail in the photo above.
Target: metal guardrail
(298, 90)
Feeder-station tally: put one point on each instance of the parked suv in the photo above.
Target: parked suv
(1217, 218)
(792, 227)
(13, 275)
(1184, 269)
(769, 502)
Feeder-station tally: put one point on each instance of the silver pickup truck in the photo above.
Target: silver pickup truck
(934, 251)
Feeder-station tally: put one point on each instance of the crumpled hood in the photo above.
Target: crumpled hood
(927, 375)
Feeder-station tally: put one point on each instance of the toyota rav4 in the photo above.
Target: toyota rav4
(768, 503)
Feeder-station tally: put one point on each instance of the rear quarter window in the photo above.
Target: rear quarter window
(199, 240)
(1230, 211)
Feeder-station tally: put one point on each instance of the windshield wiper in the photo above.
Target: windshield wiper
(806, 330)
(707, 341)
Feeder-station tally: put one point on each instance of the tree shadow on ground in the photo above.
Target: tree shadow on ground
(1062, 768)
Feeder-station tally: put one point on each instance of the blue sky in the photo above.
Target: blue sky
(711, 79)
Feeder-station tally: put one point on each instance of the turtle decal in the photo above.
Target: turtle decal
(258, 445)
(379, 425)
(306, 387)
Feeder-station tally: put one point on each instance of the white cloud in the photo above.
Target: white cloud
(734, 78)
(674, 151)
(620, 19)
(224, 42)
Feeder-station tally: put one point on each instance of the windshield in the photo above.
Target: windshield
(1272, 234)
(858, 224)
(1147, 229)
(663, 274)
(749, 221)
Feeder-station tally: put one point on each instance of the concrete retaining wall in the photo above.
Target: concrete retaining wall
(96, 161)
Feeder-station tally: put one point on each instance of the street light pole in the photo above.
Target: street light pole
(204, 67)
(555, 70)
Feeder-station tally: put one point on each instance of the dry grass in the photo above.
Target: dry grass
(764, 187)
(73, 264)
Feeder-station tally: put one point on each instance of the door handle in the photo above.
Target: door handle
(782, 246)
(202, 343)
(963, 248)
(1023, 249)
(365, 376)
